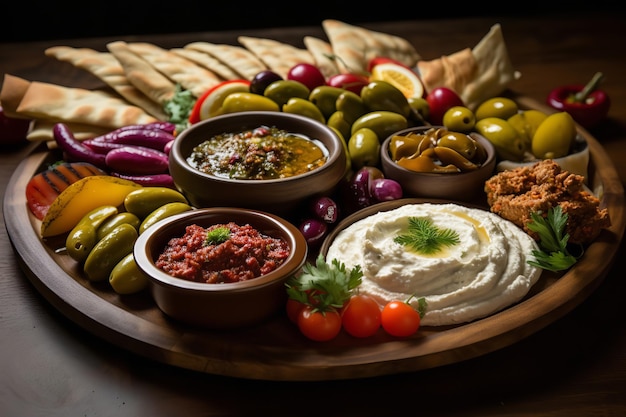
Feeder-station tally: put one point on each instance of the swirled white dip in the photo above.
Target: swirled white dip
(484, 273)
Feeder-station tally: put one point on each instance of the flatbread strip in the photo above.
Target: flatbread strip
(41, 131)
(188, 74)
(207, 61)
(107, 68)
(355, 46)
(322, 53)
(237, 58)
(76, 105)
(143, 75)
(278, 56)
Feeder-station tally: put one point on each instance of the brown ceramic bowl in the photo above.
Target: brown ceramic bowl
(279, 196)
(461, 186)
(219, 305)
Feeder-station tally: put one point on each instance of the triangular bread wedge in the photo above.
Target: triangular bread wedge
(277, 56)
(76, 105)
(495, 70)
(453, 71)
(322, 53)
(107, 68)
(238, 58)
(207, 61)
(188, 74)
(142, 74)
(355, 46)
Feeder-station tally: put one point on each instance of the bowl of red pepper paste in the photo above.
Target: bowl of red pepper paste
(220, 267)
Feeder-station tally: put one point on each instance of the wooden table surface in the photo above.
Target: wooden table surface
(574, 367)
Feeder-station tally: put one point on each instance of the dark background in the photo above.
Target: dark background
(21, 20)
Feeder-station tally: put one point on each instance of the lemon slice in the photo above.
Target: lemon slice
(399, 76)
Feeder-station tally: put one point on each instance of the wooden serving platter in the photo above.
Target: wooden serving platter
(276, 350)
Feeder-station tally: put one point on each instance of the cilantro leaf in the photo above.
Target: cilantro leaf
(553, 254)
(179, 107)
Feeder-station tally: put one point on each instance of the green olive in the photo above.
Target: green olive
(338, 121)
(554, 136)
(364, 148)
(459, 119)
(351, 104)
(460, 142)
(109, 251)
(238, 102)
(126, 277)
(166, 210)
(526, 123)
(112, 222)
(504, 138)
(325, 98)
(303, 107)
(501, 107)
(144, 201)
(282, 90)
(383, 123)
(420, 110)
(345, 148)
(381, 95)
(83, 237)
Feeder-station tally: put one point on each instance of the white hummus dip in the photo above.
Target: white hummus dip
(482, 274)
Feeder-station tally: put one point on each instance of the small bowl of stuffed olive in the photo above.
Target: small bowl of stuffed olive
(222, 267)
(434, 162)
(270, 161)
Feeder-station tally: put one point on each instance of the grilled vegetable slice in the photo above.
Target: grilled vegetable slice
(45, 187)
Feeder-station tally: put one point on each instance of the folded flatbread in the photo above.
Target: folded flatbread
(207, 61)
(453, 71)
(13, 89)
(41, 131)
(323, 55)
(277, 56)
(142, 74)
(495, 70)
(107, 68)
(191, 76)
(355, 46)
(76, 105)
(237, 58)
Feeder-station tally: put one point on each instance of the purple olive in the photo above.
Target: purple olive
(325, 208)
(385, 189)
(360, 185)
(262, 79)
(314, 231)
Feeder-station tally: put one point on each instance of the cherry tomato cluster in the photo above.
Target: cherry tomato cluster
(360, 317)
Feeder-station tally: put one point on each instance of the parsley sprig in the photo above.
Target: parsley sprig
(216, 236)
(553, 255)
(179, 107)
(324, 286)
(424, 237)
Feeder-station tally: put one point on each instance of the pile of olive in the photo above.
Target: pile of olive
(437, 150)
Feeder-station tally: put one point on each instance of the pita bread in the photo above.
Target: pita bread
(13, 89)
(42, 132)
(278, 56)
(322, 53)
(76, 105)
(495, 71)
(237, 58)
(143, 75)
(188, 74)
(107, 68)
(207, 61)
(355, 46)
(454, 71)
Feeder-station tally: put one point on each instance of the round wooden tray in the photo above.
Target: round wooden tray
(276, 350)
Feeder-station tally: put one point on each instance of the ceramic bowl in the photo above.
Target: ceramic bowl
(457, 186)
(219, 305)
(279, 196)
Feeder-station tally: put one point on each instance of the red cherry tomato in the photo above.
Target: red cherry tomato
(400, 319)
(350, 82)
(293, 309)
(361, 317)
(439, 100)
(307, 74)
(319, 326)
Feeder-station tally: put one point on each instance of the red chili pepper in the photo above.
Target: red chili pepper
(586, 104)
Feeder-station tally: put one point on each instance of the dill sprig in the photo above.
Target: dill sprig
(426, 238)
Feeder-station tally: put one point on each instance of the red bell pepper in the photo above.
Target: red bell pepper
(586, 104)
